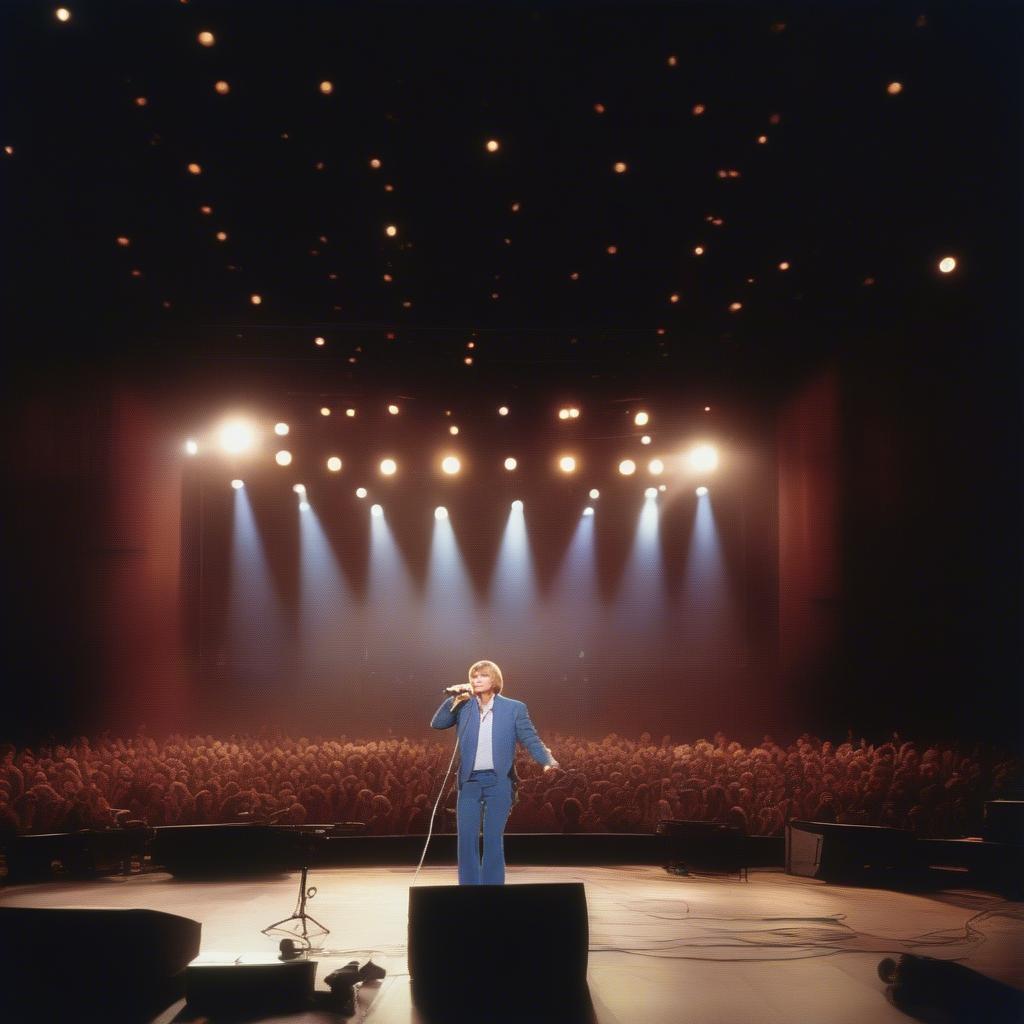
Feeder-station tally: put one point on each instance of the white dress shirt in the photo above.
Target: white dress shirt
(484, 747)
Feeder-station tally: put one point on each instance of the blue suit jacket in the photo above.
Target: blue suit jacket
(511, 723)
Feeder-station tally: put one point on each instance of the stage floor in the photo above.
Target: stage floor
(663, 949)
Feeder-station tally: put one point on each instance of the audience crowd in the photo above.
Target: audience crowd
(609, 785)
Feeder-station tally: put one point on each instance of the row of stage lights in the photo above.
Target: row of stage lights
(238, 438)
(442, 513)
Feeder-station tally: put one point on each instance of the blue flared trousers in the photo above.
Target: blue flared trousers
(483, 796)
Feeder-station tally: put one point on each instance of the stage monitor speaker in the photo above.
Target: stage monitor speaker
(242, 987)
(91, 964)
(498, 944)
(1004, 822)
(817, 849)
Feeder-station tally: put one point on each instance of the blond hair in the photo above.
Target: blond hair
(491, 669)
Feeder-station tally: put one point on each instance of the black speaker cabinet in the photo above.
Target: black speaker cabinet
(817, 849)
(1004, 822)
(240, 987)
(494, 945)
(91, 964)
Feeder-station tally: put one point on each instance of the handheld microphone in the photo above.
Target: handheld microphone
(452, 691)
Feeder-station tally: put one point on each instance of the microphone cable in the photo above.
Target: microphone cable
(437, 803)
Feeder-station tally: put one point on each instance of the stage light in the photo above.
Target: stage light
(236, 437)
(303, 506)
(563, 414)
(641, 419)
(450, 465)
(663, 488)
(393, 409)
(334, 464)
(627, 467)
(517, 506)
(62, 14)
(588, 511)
(191, 447)
(326, 87)
(376, 510)
(375, 163)
(283, 458)
(319, 342)
(656, 467)
(350, 413)
(453, 430)
(221, 88)
(206, 38)
(735, 307)
(698, 250)
(894, 88)
(325, 410)
(237, 484)
(281, 429)
(574, 413)
(646, 439)
(388, 467)
(707, 408)
(594, 493)
(299, 488)
(503, 410)
(567, 464)
(440, 512)
(493, 145)
(703, 458)
(651, 492)
(701, 491)
(194, 168)
(619, 167)
(510, 464)
(360, 492)
(391, 231)
(784, 265)
(947, 265)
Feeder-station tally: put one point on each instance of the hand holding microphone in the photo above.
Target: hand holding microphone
(461, 692)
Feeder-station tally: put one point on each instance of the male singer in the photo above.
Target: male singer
(488, 726)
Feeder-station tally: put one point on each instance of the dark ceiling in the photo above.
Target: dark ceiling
(860, 192)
